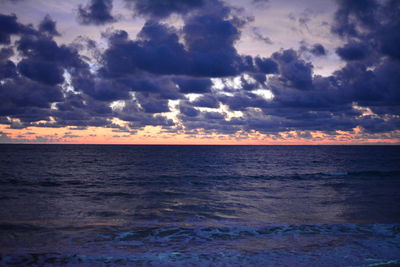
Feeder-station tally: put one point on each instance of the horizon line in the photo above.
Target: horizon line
(124, 144)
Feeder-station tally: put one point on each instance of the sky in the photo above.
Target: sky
(200, 72)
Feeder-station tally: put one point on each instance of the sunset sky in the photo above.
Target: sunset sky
(200, 71)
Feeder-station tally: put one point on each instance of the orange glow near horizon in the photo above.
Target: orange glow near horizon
(154, 135)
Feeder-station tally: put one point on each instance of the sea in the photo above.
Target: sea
(145, 205)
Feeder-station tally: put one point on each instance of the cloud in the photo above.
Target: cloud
(162, 9)
(9, 26)
(352, 16)
(153, 104)
(199, 86)
(294, 71)
(259, 36)
(47, 25)
(96, 12)
(47, 72)
(316, 49)
(353, 51)
(157, 51)
(43, 48)
(21, 94)
(371, 22)
(206, 101)
(266, 65)
(7, 67)
(101, 89)
(188, 111)
(6, 138)
(208, 49)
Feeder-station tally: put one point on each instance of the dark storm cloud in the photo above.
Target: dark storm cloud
(294, 71)
(370, 28)
(82, 103)
(36, 85)
(378, 125)
(149, 85)
(208, 121)
(100, 89)
(217, 32)
(242, 101)
(152, 104)
(188, 111)
(353, 51)
(318, 50)
(30, 88)
(199, 86)
(7, 67)
(371, 22)
(210, 39)
(208, 52)
(44, 48)
(378, 87)
(8, 27)
(44, 61)
(81, 111)
(40, 74)
(304, 101)
(6, 53)
(21, 93)
(206, 101)
(163, 8)
(133, 114)
(212, 115)
(96, 12)
(47, 25)
(37, 70)
(354, 14)
(157, 51)
(266, 65)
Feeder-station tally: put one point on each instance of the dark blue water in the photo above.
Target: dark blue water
(199, 205)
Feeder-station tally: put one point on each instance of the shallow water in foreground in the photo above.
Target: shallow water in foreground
(201, 205)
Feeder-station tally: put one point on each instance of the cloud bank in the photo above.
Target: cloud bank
(191, 77)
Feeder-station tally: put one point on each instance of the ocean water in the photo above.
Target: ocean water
(199, 205)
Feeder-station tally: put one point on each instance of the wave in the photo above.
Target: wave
(372, 173)
(335, 173)
(376, 173)
(165, 234)
(4, 227)
(319, 175)
(369, 173)
(177, 258)
(154, 232)
(195, 180)
(283, 245)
